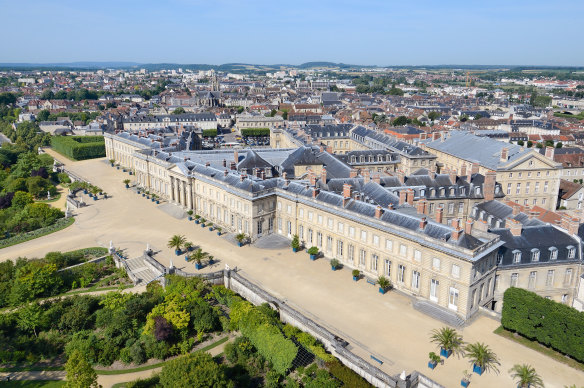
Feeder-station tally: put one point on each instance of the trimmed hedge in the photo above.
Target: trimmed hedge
(255, 132)
(209, 132)
(79, 147)
(545, 321)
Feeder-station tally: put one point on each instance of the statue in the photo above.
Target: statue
(111, 247)
(48, 195)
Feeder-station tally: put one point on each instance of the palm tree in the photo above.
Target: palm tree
(176, 242)
(126, 182)
(482, 356)
(448, 339)
(198, 256)
(526, 376)
(241, 237)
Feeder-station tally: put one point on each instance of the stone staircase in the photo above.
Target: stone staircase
(439, 313)
(141, 270)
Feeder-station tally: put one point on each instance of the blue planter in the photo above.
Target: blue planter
(157, 202)
(152, 199)
(118, 167)
(143, 194)
(464, 383)
(177, 252)
(294, 250)
(218, 233)
(239, 244)
(355, 278)
(111, 164)
(196, 221)
(131, 173)
(147, 197)
(95, 198)
(202, 225)
(431, 365)
(186, 258)
(477, 369)
(198, 266)
(190, 218)
(211, 228)
(312, 257)
(333, 268)
(445, 353)
(382, 291)
(85, 191)
(211, 262)
(127, 186)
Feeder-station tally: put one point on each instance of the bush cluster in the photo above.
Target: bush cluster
(255, 132)
(549, 323)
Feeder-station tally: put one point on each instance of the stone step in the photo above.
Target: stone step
(439, 313)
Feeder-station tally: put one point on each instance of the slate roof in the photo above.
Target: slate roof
(388, 142)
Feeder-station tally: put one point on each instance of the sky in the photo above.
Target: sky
(364, 32)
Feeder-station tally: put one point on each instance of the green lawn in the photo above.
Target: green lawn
(539, 348)
(19, 239)
(157, 365)
(31, 368)
(32, 384)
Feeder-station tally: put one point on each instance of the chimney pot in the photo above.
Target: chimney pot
(439, 213)
(410, 196)
(378, 212)
(423, 223)
(347, 190)
(402, 197)
(468, 226)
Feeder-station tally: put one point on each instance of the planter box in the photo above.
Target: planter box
(127, 186)
(431, 364)
(198, 266)
(202, 225)
(477, 369)
(197, 221)
(239, 244)
(157, 202)
(85, 191)
(382, 291)
(177, 252)
(118, 167)
(355, 278)
(312, 257)
(464, 383)
(333, 268)
(294, 250)
(152, 199)
(218, 233)
(445, 353)
(95, 198)
(211, 228)
(143, 194)
(186, 258)
(190, 218)
(211, 262)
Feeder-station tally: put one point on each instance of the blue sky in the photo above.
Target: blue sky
(380, 32)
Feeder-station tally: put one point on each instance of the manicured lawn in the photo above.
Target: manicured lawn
(539, 348)
(19, 239)
(31, 368)
(157, 365)
(32, 384)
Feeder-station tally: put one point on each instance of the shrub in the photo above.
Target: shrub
(79, 147)
(346, 375)
(209, 133)
(255, 132)
(550, 323)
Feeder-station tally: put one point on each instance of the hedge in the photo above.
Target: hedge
(255, 132)
(209, 132)
(61, 223)
(79, 147)
(545, 321)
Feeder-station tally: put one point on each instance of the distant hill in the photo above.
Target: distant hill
(71, 65)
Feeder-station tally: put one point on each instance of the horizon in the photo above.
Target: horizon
(368, 33)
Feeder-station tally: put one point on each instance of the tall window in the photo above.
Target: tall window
(417, 255)
(301, 232)
(400, 273)
(340, 248)
(518, 189)
(455, 271)
(259, 227)
(436, 263)
(571, 252)
(434, 289)
(568, 276)
(374, 260)
(553, 253)
(545, 187)
(514, 278)
(362, 255)
(532, 278)
(329, 244)
(415, 279)
(549, 280)
(453, 299)
(309, 236)
(387, 268)
(289, 228)
(403, 249)
(351, 253)
(319, 239)
(389, 245)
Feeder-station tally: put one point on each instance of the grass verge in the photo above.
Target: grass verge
(159, 364)
(33, 384)
(534, 345)
(31, 368)
(19, 239)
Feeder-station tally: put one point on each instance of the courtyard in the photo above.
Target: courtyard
(385, 326)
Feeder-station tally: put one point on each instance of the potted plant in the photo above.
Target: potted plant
(384, 284)
(190, 213)
(117, 166)
(241, 238)
(434, 360)
(105, 195)
(335, 264)
(313, 252)
(356, 274)
(482, 358)
(157, 200)
(448, 340)
(203, 222)
(218, 229)
(198, 256)
(210, 225)
(197, 218)
(465, 381)
(211, 260)
(127, 183)
(188, 246)
(295, 244)
(112, 161)
(176, 242)
(526, 376)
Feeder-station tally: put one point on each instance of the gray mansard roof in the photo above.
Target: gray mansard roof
(378, 139)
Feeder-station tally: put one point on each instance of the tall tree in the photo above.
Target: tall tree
(80, 373)
(29, 317)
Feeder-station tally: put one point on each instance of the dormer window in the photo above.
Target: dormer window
(442, 192)
(452, 191)
(571, 252)
(535, 254)
(478, 191)
(553, 253)
(516, 256)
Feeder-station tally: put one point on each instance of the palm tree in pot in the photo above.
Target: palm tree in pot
(188, 246)
(241, 238)
(465, 381)
(313, 252)
(482, 358)
(335, 264)
(434, 360)
(203, 222)
(448, 340)
(176, 242)
(210, 225)
(198, 256)
(218, 229)
(197, 218)
(112, 161)
(384, 284)
(526, 376)
(356, 274)
(190, 213)
(295, 244)
(127, 183)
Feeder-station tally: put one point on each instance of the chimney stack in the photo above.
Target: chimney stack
(323, 175)
(401, 176)
(207, 164)
(515, 227)
(468, 226)
(390, 206)
(315, 192)
(570, 224)
(474, 168)
(423, 223)
(353, 173)
(236, 156)
(452, 174)
(504, 154)
(366, 176)
(377, 178)
(533, 214)
(312, 178)
(463, 169)
(232, 166)
(549, 152)
(347, 190)
(455, 223)
(489, 186)
(402, 197)
(410, 196)
(423, 136)
(432, 172)
(439, 214)
(378, 212)
(421, 206)
(225, 172)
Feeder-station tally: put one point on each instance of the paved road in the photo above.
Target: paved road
(383, 325)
